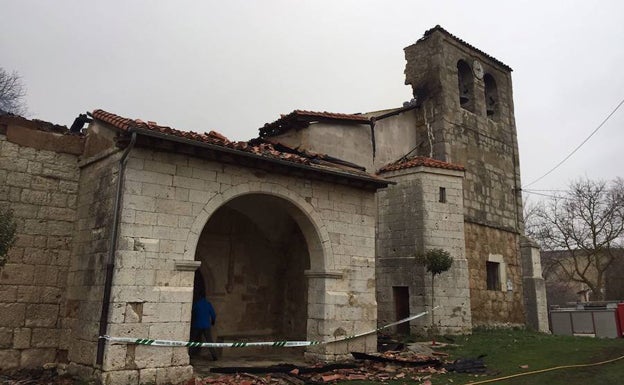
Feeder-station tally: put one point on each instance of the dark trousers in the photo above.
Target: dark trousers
(196, 336)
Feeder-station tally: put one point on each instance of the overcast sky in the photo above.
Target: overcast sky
(232, 66)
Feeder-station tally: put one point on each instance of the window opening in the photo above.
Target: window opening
(493, 275)
(442, 198)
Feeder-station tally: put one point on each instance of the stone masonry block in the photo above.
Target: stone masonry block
(12, 314)
(8, 293)
(173, 374)
(6, 337)
(118, 377)
(152, 356)
(176, 294)
(160, 167)
(134, 294)
(169, 331)
(190, 183)
(41, 315)
(162, 312)
(139, 202)
(132, 330)
(45, 338)
(32, 358)
(149, 177)
(180, 356)
(147, 376)
(145, 218)
(158, 191)
(9, 359)
(115, 357)
(170, 206)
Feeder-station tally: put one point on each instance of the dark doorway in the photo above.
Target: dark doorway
(254, 256)
(402, 308)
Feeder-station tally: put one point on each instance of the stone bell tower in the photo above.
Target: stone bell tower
(466, 99)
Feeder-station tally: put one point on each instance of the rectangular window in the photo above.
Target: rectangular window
(401, 307)
(442, 195)
(493, 275)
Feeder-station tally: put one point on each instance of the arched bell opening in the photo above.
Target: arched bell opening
(491, 97)
(465, 85)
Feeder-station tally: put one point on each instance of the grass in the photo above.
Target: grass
(507, 349)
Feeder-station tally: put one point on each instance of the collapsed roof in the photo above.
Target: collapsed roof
(262, 152)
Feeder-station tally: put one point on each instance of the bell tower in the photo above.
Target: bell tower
(465, 96)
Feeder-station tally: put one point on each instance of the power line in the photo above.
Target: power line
(577, 147)
(533, 192)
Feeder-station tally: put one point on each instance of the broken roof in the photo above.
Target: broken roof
(35, 124)
(259, 149)
(417, 161)
(302, 119)
(438, 28)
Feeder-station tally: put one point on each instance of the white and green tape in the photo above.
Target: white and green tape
(283, 344)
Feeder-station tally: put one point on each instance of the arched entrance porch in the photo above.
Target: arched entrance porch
(260, 255)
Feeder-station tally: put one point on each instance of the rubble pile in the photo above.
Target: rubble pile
(381, 367)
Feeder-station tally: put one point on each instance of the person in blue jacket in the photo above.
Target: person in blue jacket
(202, 320)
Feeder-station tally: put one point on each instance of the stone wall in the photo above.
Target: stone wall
(504, 305)
(535, 300)
(39, 182)
(85, 281)
(351, 142)
(168, 199)
(486, 145)
(411, 220)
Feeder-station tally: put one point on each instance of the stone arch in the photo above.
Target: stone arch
(465, 84)
(491, 96)
(309, 221)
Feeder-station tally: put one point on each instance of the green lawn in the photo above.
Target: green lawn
(507, 349)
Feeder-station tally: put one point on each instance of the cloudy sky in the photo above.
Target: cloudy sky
(232, 66)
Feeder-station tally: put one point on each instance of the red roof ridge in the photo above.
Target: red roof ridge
(438, 28)
(416, 161)
(302, 118)
(332, 115)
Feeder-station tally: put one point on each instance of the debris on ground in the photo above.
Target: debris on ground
(385, 343)
(380, 367)
(37, 376)
(390, 365)
(467, 365)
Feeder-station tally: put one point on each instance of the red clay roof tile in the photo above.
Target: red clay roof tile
(301, 118)
(417, 161)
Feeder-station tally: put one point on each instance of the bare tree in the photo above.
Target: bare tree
(12, 93)
(586, 226)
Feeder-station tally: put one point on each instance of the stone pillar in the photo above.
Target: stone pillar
(534, 286)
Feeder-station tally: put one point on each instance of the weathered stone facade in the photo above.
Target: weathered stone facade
(462, 113)
(117, 226)
(39, 182)
(173, 208)
(413, 219)
(168, 201)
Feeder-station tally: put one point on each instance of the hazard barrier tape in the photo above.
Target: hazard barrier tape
(283, 344)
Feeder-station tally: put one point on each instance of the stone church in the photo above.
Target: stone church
(308, 232)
